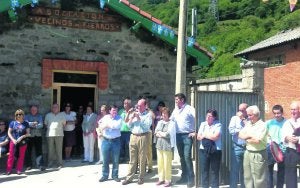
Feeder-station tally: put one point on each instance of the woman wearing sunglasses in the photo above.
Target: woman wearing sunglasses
(18, 130)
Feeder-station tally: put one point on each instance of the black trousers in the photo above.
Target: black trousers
(37, 143)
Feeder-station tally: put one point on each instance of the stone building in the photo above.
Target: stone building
(86, 54)
(281, 54)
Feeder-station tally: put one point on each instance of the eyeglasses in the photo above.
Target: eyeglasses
(19, 114)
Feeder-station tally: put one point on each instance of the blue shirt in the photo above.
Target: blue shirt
(274, 128)
(143, 125)
(35, 130)
(235, 126)
(184, 119)
(18, 129)
(115, 124)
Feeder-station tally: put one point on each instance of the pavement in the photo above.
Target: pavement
(77, 174)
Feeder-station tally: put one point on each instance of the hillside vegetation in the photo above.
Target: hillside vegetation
(242, 23)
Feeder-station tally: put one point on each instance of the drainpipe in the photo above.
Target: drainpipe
(181, 50)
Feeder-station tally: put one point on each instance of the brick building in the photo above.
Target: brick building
(282, 71)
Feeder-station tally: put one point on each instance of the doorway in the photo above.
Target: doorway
(77, 96)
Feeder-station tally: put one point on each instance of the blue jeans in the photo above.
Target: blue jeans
(209, 163)
(124, 148)
(110, 150)
(184, 146)
(236, 168)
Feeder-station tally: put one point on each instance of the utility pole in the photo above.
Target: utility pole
(181, 49)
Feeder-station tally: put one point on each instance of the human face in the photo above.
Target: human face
(2, 126)
(252, 117)
(103, 110)
(89, 110)
(210, 118)
(277, 115)
(242, 108)
(55, 108)
(33, 110)
(127, 104)
(295, 110)
(141, 105)
(165, 116)
(68, 108)
(113, 112)
(179, 102)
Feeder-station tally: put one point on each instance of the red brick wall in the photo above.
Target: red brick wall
(48, 65)
(282, 83)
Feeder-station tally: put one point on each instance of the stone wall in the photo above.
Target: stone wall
(135, 67)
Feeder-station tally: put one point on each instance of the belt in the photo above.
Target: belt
(140, 134)
(240, 145)
(111, 139)
(184, 133)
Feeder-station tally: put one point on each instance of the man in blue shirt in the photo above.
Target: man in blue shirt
(139, 122)
(236, 124)
(184, 117)
(274, 127)
(110, 128)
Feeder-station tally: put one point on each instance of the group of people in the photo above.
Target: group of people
(253, 157)
(128, 134)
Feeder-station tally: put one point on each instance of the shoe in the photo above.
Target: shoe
(99, 163)
(167, 184)
(103, 179)
(160, 182)
(19, 172)
(8, 173)
(59, 166)
(181, 181)
(125, 182)
(190, 184)
(116, 179)
(84, 161)
(90, 163)
(42, 168)
(149, 171)
(28, 168)
(141, 181)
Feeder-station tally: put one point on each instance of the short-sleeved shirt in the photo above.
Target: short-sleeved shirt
(70, 117)
(55, 124)
(215, 127)
(18, 129)
(258, 129)
(124, 127)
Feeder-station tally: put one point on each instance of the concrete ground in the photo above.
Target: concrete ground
(77, 174)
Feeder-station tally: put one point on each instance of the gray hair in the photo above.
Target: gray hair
(254, 109)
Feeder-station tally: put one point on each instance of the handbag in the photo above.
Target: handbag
(276, 152)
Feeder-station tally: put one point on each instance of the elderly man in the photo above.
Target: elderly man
(290, 137)
(139, 123)
(35, 121)
(236, 124)
(255, 157)
(184, 117)
(55, 122)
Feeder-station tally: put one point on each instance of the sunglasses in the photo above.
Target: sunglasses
(19, 114)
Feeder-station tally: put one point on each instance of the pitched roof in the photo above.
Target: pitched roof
(278, 39)
(153, 25)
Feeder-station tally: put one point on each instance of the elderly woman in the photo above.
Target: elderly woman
(18, 130)
(165, 133)
(255, 157)
(209, 135)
